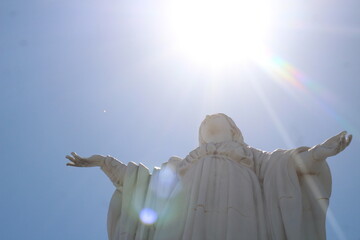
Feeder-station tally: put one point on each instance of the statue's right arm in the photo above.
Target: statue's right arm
(113, 168)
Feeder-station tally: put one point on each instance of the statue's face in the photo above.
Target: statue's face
(216, 129)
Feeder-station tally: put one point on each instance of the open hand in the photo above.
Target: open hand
(77, 161)
(334, 145)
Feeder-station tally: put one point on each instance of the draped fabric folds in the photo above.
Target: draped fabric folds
(221, 191)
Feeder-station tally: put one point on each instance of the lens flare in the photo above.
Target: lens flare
(148, 216)
(284, 72)
(168, 183)
(287, 75)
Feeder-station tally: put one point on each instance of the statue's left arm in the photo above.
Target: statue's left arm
(311, 160)
(113, 168)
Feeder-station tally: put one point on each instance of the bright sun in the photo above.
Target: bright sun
(220, 32)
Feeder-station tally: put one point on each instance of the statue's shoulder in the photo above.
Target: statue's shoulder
(173, 162)
(279, 150)
(174, 159)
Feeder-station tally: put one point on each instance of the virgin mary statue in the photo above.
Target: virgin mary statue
(224, 189)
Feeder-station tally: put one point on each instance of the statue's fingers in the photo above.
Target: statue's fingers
(335, 140)
(339, 145)
(70, 158)
(342, 143)
(74, 154)
(340, 135)
(348, 140)
(72, 165)
(77, 157)
(343, 136)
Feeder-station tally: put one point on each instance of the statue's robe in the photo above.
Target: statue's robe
(221, 191)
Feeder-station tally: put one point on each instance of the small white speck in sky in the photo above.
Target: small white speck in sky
(104, 111)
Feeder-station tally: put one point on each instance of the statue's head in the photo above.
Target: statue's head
(219, 128)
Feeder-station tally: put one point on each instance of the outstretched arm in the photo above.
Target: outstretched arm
(311, 160)
(114, 169)
(93, 161)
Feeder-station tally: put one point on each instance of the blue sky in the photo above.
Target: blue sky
(97, 77)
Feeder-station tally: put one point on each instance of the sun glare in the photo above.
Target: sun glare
(219, 32)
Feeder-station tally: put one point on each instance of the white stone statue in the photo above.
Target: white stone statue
(224, 189)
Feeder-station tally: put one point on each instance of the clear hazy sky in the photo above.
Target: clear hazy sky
(102, 77)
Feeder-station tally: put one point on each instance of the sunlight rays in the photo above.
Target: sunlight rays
(283, 72)
(214, 35)
(273, 115)
(335, 225)
(291, 78)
